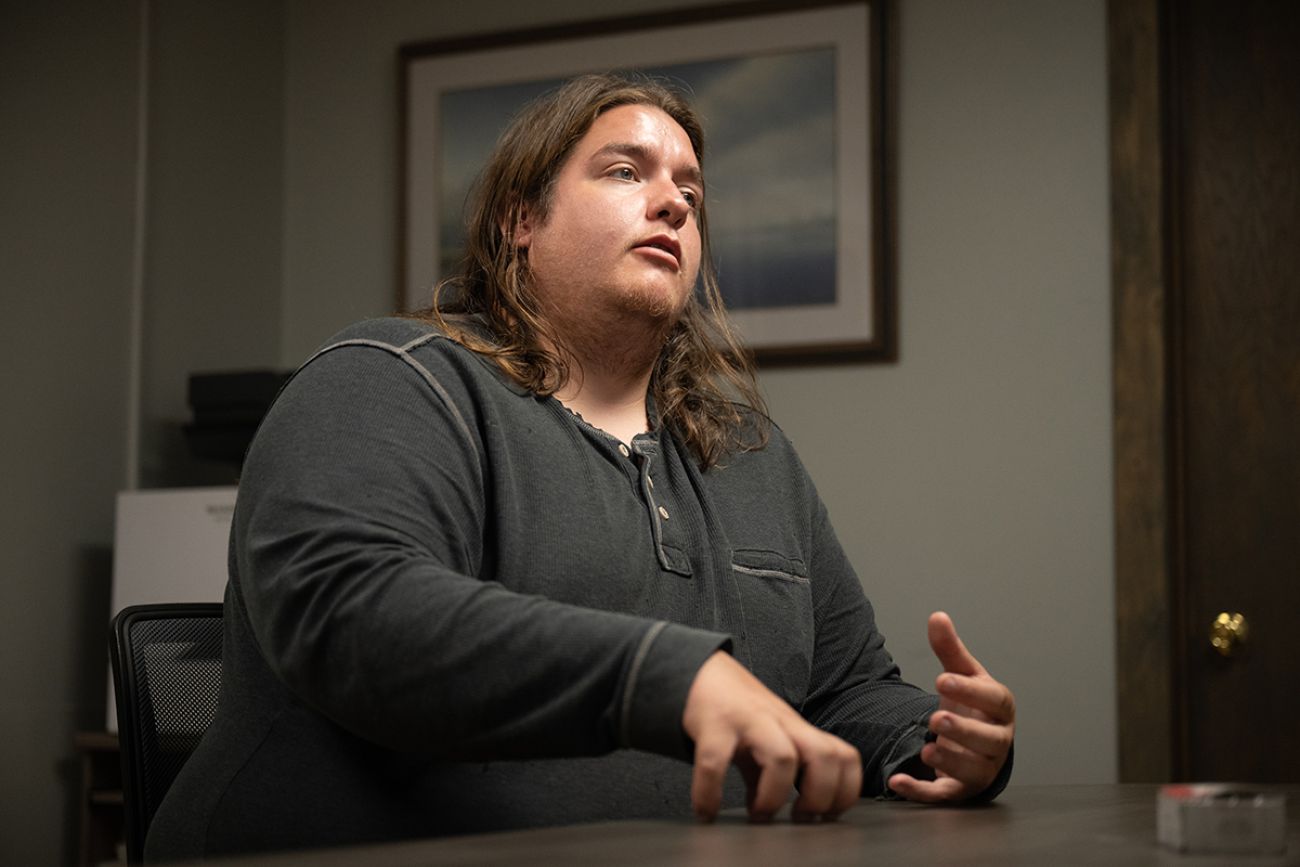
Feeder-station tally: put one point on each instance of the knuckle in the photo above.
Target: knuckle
(710, 759)
(784, 758)
(825, 754)
(833, 754)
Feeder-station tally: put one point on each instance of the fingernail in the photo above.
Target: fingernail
(945, 724)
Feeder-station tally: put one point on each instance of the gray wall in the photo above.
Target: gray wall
(215, 201)
(973, 475)
(69, 88)
(66, 184)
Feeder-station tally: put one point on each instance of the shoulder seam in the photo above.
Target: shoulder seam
(403, 352)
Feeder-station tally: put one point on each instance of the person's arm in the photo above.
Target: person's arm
(858, 694)
(360, 529)
(973, 728)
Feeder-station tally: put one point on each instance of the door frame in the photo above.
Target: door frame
(1146, 356)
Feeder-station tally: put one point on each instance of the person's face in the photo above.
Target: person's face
(621, 239)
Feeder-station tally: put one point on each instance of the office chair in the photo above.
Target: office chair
(166, 662)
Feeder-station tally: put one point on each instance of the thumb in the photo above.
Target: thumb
(947, 645)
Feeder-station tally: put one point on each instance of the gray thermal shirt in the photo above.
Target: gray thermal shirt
(454, 606)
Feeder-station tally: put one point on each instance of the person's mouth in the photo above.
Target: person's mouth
(666, 245)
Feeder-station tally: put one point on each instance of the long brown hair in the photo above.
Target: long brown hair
(703, 382)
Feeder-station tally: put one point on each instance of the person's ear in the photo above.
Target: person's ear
(522, 234)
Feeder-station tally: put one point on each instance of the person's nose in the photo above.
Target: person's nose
(668, 203)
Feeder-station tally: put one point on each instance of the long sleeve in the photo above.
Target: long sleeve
(361, 536)
(856, 689)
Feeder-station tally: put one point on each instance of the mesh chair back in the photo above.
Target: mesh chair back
(167, 675)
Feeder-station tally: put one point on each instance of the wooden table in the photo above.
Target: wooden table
(1030, 825)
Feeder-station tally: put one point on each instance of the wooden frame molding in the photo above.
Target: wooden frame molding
(1142, 304)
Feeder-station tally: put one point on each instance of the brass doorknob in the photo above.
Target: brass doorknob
(1228, 632)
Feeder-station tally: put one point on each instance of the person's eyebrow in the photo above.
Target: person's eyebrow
(643, 154)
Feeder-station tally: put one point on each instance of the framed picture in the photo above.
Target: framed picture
(797, 102)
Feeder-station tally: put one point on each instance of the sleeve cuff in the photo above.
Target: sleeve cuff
(905, 758)
(999, 782)
(658, 680)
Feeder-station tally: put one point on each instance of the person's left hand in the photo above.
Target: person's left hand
(975, 723)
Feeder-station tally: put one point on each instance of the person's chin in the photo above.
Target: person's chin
(661, 303)
(663, 312)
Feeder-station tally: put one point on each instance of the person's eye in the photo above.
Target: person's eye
(691, 199)
(623, 173)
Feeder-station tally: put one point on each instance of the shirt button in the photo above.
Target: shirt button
(623, 448)
(651, 482)
(663, 512)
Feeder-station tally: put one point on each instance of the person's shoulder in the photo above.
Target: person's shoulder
(396, 332)
(762, 431)
(414, 339)
(419, 344)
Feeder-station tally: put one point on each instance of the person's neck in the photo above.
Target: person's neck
(611, 358)
(612, 401)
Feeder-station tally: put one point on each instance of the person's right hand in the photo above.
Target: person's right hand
(734, 718)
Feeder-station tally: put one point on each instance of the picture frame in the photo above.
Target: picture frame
(797, 101)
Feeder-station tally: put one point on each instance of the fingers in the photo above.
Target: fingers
(778, 760)
(970, 750)
(713, 754)
(832, 778)
(992, 740)
(734, 719)
(941, 790)
(960, 774)
(769, 765)
(771, 755)
(981, 693)
(948, 646)
(952, 760)
(975, 724)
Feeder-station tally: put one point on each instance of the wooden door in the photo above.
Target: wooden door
(1206, 175)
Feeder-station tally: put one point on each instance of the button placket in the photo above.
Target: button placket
(643, 463)
(657, 512)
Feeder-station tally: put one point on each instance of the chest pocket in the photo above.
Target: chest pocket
(776, 596)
